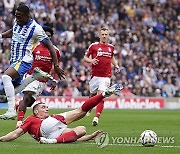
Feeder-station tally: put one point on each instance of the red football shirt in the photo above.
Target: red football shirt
(104, 53)
(42, 59)
(32, 125)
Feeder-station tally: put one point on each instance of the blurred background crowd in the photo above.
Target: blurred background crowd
(145, 34)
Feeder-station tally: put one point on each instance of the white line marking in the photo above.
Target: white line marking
(138, 145)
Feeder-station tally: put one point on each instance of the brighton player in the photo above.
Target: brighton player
(53, 129)
(42, 61)
(25, 34)
(101, 56)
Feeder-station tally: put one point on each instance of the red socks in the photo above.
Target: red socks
(99, 108)
(67, 137)
(91, 102)
(20, 115)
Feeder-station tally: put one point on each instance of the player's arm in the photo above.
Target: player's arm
(54, 81)
(12, 135)
(48, 44)
(93, 61)
(7, 34)
(87, 58)
(91, 136)
(114, 62)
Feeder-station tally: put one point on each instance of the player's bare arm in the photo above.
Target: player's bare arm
(114, 62)
(93, 61)
(59, 71)
(91, 136)
(12, 135)
(7, 34)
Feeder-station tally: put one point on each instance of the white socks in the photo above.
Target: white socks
(24, 83)
(47, 141)
(9, 90)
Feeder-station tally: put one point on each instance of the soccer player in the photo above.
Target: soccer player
(53, 129)
(43, 61)
(25, 34)
(100, 55)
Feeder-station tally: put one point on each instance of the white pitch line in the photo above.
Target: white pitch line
(168, 146)
(137, 145)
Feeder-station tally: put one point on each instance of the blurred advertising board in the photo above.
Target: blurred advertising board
(110, 103)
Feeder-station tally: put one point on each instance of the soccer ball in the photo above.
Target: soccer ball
(148, 138)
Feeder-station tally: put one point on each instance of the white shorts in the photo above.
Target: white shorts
(52, 128)
(99, 83)
(36, 87)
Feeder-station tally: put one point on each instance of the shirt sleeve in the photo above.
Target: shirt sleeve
(26, 124)
(40, 34)
(89, 51)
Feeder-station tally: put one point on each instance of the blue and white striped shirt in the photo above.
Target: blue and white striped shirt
(25, 39)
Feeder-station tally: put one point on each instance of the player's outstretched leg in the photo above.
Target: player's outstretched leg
(70, 137)
(90, 103)
(38, 74)
(113, 89)
(9, 90)
(93, 101)
(77, 114)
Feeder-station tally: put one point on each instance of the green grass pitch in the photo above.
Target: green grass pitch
(119, 124)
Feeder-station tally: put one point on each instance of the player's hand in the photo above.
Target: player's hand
(53, 84)
(94, 61)
(117, 69)
(60, 72)
(19, 123)
(96, 134)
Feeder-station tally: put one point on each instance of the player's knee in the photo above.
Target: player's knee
(82, 130)
(81, 111)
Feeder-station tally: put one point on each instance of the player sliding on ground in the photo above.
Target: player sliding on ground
(53, 128)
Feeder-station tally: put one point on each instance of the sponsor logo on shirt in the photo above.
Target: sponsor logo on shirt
(43, 58)
(100, 52)
(38, 52)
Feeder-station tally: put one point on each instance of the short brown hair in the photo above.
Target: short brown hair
(104, 28)
(36, 105)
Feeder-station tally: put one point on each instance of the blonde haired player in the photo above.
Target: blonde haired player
(101, 56)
